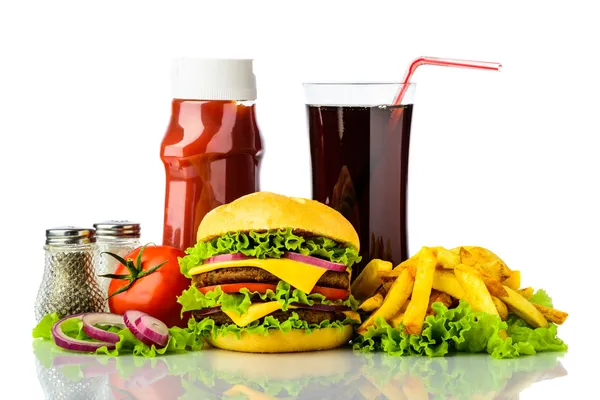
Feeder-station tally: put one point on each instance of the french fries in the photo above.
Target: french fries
(397, 319)
(396, 297)
(372, 303)
(440, 297)
(494, 287)
(496, 270)
(552, 315)
(513, 281)
(524, 309)
(446, 258)
(416, 310)
(501, 308)
(525, 292)
(477, 293)
(445, 281)
(367, 282)
(404, 295)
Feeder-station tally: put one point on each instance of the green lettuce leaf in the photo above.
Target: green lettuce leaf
(192, 299)
(541, 297)
(206, 327)
(461, 330)
(180, 339)
(270, 244)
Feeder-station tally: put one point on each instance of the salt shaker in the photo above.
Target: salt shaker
(69, 285)
(117, 237)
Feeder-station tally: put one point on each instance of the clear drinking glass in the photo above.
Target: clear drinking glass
(359, 151)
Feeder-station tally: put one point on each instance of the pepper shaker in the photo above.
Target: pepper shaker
(69, 285)
(118, 237)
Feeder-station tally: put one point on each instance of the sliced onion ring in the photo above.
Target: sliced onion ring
(147, 329)
(317, 262)
(68, 343)
(92, 319)
(129, 318)
(225, 257)
(153, 329)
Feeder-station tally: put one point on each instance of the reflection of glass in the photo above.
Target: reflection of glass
(359, 153)
(334, 374)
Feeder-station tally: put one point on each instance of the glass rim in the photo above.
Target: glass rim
(365, 83)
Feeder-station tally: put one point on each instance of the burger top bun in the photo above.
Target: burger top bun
(262, 211)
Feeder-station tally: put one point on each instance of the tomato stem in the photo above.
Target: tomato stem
(135, 270)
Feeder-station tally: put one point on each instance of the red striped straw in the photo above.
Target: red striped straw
(443, 62)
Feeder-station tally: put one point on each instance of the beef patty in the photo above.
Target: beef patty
(308, 315)
(332, 279)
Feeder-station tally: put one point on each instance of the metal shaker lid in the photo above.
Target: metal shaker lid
(70, 235)
(117, 229)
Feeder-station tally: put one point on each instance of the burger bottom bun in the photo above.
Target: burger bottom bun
(278, 341)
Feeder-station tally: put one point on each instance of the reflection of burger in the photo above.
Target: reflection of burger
(224, 375)
(271, 273)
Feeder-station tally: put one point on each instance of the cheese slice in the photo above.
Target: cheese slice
(299, 275)
(255, 311)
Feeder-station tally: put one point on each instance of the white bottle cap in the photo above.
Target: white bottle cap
(213, 79)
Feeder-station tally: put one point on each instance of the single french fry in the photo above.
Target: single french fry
(524, 309)
(372, 303)
(367, 282)
(465, 257)
(416, 310)
(386, 276)
(555, 316)
(446, 258)
(398, 294)
(494, 287)
(477, 293)
(496, 270)
(409, 263)
(445, 281)
(438, 297)
(501, 308)
(514, 280)
(525, 292)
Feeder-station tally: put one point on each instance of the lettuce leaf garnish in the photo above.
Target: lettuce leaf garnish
(180, 339)
(206, 327)
(541, 297)
(192, 299)
(461, 330)
(270, 244)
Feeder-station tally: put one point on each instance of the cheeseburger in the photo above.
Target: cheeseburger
(271, 274)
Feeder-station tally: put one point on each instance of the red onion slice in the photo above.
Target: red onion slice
(130, 317)
(92, 319)
(317, 262)
(68, 343)
(153, 329)
(322, 307)
(225, 257)
(147, 329)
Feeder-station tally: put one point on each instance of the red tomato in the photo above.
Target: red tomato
(235, 287)
(329, 293)
(156, 293)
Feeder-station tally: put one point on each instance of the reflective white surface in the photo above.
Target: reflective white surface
(336, 374)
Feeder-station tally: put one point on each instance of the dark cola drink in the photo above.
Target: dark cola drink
(360, 168)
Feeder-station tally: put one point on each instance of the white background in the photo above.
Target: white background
(504, 160)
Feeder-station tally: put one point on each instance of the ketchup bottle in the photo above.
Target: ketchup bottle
(212, 148)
